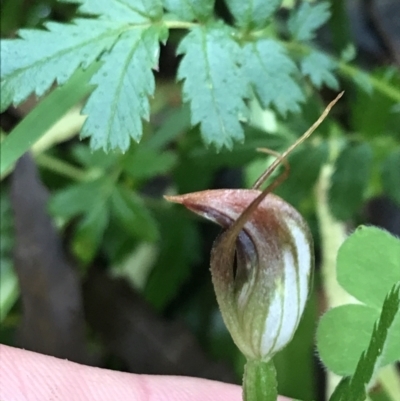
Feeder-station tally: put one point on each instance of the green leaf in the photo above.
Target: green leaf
(373, 115)
(44, 116)
(319, 68)
(367, 254)
(190, 10)
(34, 62)
(391, 176)
(124, 83)
(132, 214)
(83, 154)
(173, 264)
(364, 81)
(252, 14)
(370, 360)
(131, 11)
(9, 288)
(340, 389)
(368, 265)
(305, 165)
(79, 198)
(176, 123)
(349, 180)
(214, 84)
(270, 71)
(343, 334)
(90, 231)
(145, 163)
(304, 22)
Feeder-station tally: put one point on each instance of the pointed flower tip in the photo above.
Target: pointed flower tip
(174, 199)
(181, 199)
(190, 199)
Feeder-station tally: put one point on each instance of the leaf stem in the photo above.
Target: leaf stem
(383, 87)
(259, 381)
(60, 167)
(350, 71)
(180, 24)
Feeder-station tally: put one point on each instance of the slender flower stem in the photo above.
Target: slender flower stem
(259, 381)
(333, 234)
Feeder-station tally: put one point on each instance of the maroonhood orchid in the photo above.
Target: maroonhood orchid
(261, 263)
(263, 300)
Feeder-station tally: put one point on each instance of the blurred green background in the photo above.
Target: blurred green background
(135, 267)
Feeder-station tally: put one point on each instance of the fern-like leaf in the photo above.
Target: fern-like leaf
(131, 11)
(214, 84)
(124, 83)
(189, 10)
(319, 68)
(252, 14)
(304, 22)
(40, 57)
(270, 71)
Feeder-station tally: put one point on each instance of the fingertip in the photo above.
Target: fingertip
(28, 376)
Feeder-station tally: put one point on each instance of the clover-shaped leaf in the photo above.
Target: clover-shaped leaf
(368, 265)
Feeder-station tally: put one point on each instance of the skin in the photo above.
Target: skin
(28, 376)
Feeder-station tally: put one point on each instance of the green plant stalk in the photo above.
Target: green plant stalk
(333, 234)
(259, 381)
(350, 71)
(61, 167)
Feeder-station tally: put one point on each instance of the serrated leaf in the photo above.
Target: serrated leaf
(132, 11)
(319, 68)
(270, 72)
(190, 10)
(304, 22)
(349, 180)
(340, 389)
(391, 176)
(356, 390)
(305, 165)
(133, 215)
(213, 84)
(33, 62)
(124, 83)
(252, 14)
